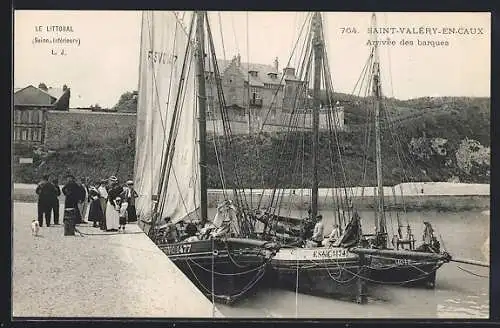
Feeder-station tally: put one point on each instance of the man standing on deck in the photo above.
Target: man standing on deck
(318, 231)
(307, 226)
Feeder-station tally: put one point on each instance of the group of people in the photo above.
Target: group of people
(313, 232)
(109, 206)
(224, 224)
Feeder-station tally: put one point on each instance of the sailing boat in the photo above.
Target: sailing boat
(170, 168)
(333, 271)
(403, 263)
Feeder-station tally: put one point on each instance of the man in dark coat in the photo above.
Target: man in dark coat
(46, 192)
(73, 194)
(55, 201)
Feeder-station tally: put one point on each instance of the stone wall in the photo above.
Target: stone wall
(448, 201)
(80, 127)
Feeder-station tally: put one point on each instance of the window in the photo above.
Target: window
(17, 134)
(17, 116)
(36, 134)
(24, 134)
(35, 117)
(24, 117)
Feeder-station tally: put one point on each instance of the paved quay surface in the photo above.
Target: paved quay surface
(107, 275)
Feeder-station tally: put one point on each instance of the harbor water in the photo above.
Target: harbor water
(462, 291)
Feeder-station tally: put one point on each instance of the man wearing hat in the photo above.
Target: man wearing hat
(129, 195)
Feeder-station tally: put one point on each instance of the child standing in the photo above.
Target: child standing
(122, 209)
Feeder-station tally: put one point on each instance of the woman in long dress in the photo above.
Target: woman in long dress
(112, 214)
(103, 199)
(96, 214)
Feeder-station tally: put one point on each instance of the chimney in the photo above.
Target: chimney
(43, 86)
(276, 64)
(289, 71)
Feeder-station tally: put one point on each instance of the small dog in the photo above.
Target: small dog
(35, 227)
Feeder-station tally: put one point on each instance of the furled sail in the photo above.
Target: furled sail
(167, 133)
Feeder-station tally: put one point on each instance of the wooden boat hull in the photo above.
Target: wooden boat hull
(330, 272)
(403, 271)
(234, 267)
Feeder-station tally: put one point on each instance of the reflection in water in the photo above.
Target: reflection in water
(458, 294)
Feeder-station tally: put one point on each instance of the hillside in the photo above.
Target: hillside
(270, 158)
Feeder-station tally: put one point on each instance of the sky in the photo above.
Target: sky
(105, 64)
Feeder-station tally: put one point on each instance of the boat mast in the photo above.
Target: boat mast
(377, 94)
(200, 37)
(318, 62)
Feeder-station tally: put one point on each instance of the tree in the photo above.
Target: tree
(127, 102)
(473, 159)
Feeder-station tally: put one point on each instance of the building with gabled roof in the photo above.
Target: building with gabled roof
(30, 111)
(260, 87)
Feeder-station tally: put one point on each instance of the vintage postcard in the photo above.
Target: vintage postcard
(251, 164)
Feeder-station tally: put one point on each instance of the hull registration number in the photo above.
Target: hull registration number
(177, 249)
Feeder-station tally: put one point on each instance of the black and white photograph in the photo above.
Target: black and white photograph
(251, 164)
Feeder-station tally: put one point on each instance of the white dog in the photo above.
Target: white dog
(35, 227)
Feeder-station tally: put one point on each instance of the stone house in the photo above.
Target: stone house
(30, 112)
(260, 87)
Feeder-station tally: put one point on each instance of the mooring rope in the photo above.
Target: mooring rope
(472, 273)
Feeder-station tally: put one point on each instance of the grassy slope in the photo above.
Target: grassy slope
(261, 160)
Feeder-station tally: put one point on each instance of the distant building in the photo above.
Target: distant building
(269, 93)
(30, 111)
(257, 86)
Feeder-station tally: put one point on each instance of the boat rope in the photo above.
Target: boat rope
(172, 67)
(182, 197)
(297, 287)
(221, 35)
(472, 273)
(283, 75)
(213, 277)
(216, 135)
(245, 289)
(240, 198)
(248, 79)
(237, 264)
(394, 283)
(166, 162)
(234, 34)
(227, 274)
(389, 59)
(341, 268)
